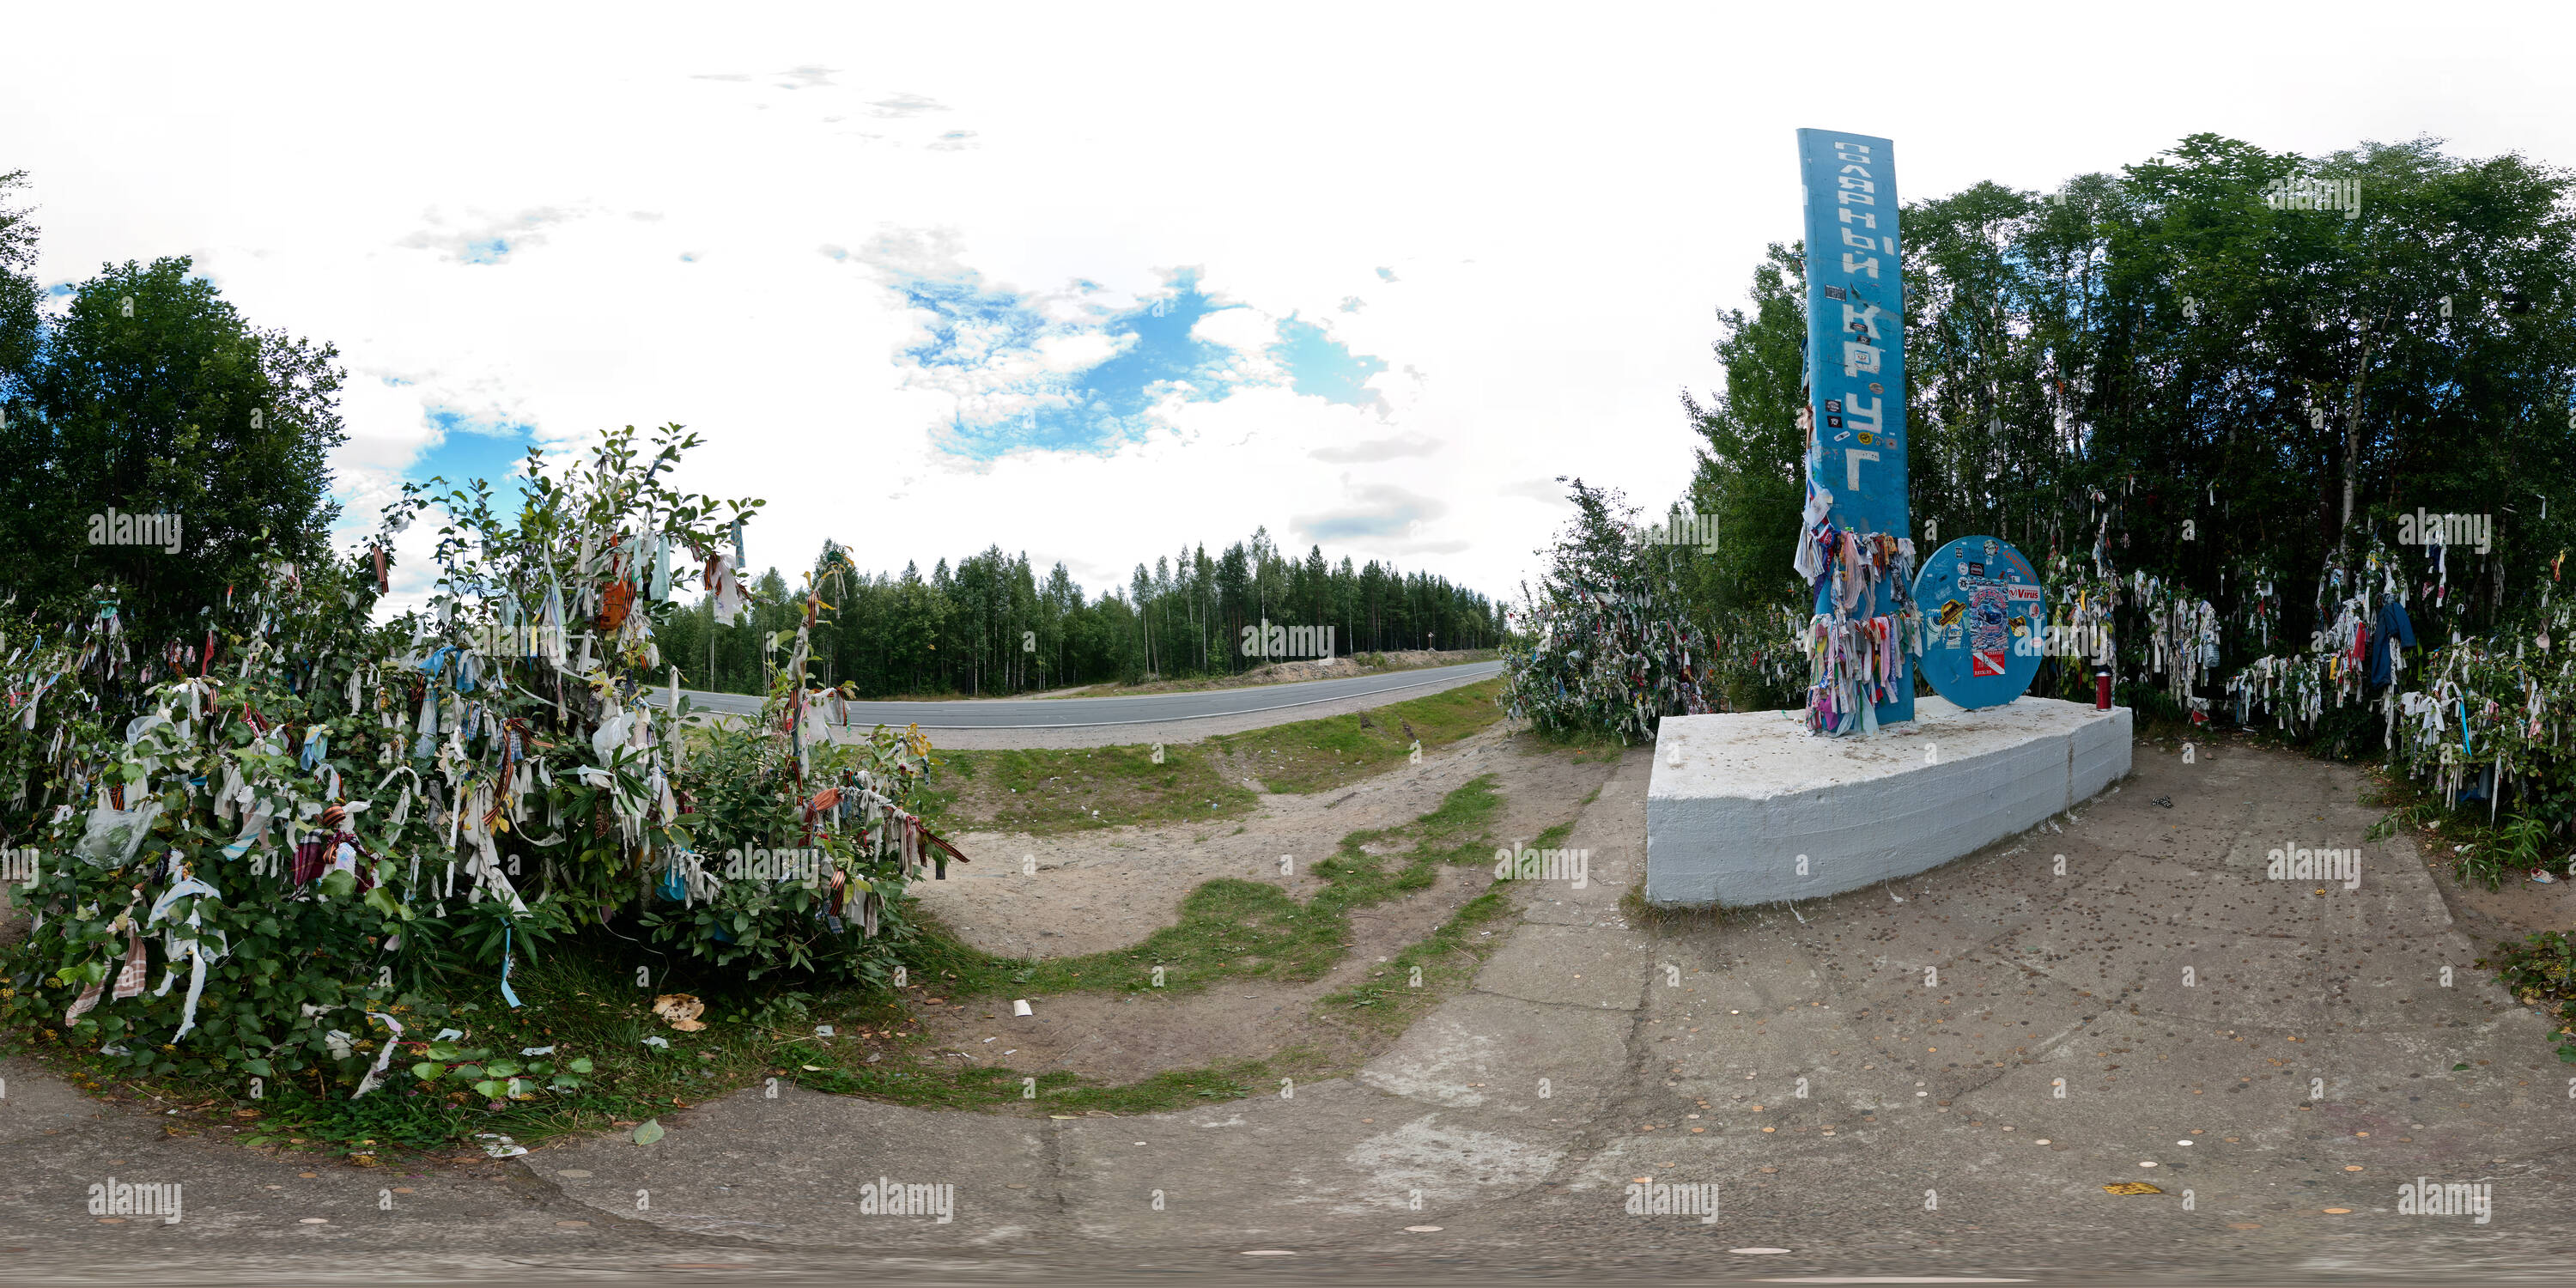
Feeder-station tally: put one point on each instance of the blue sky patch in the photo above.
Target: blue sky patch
(982, 337)
(976, 329)
(473, 446)
(1322, 367)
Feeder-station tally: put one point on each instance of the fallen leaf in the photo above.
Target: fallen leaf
(648, 1132)
(2132, 1187)
(680, 1011)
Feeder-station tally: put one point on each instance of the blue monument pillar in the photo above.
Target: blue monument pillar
(1856, 477)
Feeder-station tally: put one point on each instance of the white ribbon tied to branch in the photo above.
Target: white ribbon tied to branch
(190, 947)
(384, 1054)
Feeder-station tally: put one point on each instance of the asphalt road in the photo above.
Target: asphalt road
(1137, 709)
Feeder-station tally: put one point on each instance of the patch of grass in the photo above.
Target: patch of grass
(1448, 958)
(1053, 792)
(1585, 744)
(581, 998)
(1236, 929)
(1661, 919)
(1046, 792)
(1323, 755)
(929, 1084)
(2492, 849)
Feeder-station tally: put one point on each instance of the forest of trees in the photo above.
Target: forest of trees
(2247, 393)
(142, 390)
(993, 625)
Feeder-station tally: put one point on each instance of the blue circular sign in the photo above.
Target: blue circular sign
(1985, 620)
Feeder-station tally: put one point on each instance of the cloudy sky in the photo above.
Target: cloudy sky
(1097, 281)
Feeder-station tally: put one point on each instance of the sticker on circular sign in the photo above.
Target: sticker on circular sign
(1985, 620)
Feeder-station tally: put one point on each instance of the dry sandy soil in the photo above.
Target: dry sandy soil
(2508, 912)
(1106, 890)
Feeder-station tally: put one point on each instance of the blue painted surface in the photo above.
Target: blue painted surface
(1980, 599)
(1856, 348)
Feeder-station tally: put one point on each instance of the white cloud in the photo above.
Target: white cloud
(1378, 449)
(483, 238)
(1538, 275)
(905, 105)
(1243, 328)
(1081, 350)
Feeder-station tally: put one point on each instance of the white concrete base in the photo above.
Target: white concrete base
(1757, 811)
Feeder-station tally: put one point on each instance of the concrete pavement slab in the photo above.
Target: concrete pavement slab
(801, 1168)
(1611, 832)
(1508, 1057)
(1586, 966)
(1334, 1160)
(2081, 946)
(1611, 870)
(2394, 897)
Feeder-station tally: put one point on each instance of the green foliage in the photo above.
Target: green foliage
(21, 322)
(1605, 647)
(2525, 843)
(508, 783)
(1751, 481)
(744, 799)
(993, 624)
(2163, 348)
(2500, 731)
(2166, 390)
(151, 394)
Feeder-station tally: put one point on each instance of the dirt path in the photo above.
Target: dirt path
(1100, 890)
(1108, 890)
